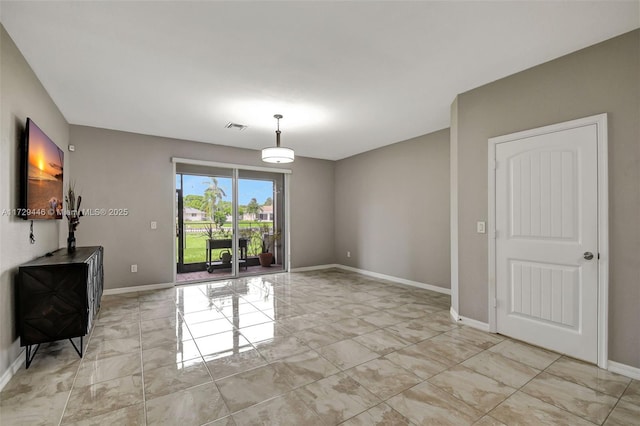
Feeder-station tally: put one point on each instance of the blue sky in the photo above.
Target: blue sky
(247, 188)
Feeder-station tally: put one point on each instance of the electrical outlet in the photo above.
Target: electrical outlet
(154, 224)
(348, 254)
(134, 268)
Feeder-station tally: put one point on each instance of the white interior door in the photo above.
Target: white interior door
(546, 221)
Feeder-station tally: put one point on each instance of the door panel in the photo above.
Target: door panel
(542, 209)
(544, 292)
(546, 219)
(201, 214)
(266, 221)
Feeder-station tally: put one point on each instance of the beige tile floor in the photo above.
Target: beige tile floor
(316, 348)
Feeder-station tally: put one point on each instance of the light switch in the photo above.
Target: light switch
(154, 225)
(481, 227)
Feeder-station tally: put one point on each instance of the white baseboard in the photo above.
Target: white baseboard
(625, 370)
(614, 367)
(120, 290)
(423, 286)
(474, 323)
(468, 321)
(13, 369)
(454, 314)
(315, 268)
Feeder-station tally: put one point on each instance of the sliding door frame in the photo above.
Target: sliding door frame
(235, 169)
(178, 227)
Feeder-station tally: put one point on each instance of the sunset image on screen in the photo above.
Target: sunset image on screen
(45, 188)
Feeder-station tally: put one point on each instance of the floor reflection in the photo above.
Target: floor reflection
(223, 319)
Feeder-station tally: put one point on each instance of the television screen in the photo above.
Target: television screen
(43, 167)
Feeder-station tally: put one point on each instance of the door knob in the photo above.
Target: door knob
(588, 255)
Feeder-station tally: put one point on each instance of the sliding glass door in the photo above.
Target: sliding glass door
(261, 214)
(229, 222)
(204, 223)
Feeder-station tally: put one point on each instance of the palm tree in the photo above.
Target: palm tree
(254, 208)
(212, 195)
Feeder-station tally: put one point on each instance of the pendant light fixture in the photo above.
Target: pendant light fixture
(277, 154)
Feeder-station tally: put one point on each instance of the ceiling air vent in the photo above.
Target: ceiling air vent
(231, 125)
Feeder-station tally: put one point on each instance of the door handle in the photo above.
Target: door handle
(588, 255)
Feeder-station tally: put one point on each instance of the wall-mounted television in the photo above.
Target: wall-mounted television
(41, 193)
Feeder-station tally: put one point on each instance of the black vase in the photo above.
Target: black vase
(71, 242)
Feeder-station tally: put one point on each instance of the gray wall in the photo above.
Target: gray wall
(392, 210)
(21, 96)
(116, 169)
(601, 78)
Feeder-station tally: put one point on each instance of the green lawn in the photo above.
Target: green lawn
(195, 249)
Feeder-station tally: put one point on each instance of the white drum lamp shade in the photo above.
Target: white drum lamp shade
(278, 154)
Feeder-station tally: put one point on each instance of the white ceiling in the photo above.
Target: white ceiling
(347, 76)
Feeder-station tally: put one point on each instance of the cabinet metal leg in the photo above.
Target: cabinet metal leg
(78, 351)
(30, 355)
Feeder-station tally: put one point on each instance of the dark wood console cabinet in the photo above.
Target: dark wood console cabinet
(58, 297)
